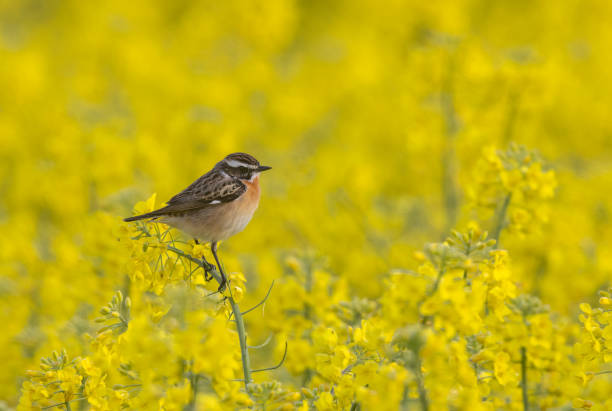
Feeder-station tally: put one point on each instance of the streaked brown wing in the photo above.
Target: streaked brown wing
(200, 189)
(206, 191)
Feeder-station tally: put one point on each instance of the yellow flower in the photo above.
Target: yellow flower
(581, 403)
(176, 397)
(504, 371)
(325, 402)
(146, 206)
(89, 368)
(324, 339)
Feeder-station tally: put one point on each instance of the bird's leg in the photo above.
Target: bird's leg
(213, 247)
(207, 275)
(207, 266)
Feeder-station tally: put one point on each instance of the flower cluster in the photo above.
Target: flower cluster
(457, 331)
(513, 185)
(454, 332)
(406, 254)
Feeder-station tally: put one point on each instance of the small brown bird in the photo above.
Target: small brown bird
(217, 205)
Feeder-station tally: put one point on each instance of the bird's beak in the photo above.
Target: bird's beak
(262, 168)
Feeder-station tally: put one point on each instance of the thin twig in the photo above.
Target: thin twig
(66, 403)
(205, 265)
(421, 386)
(524, 378)
(244, 349)
(119, 386)
(263, 344)
(219, 275)
(261, 302)
(194, 391)
(276, 366)
(501, 216)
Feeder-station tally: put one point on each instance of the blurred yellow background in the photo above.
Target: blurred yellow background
(372, 114)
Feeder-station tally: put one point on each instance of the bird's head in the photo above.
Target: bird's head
(241, 165)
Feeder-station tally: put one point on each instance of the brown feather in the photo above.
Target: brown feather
(211, 187)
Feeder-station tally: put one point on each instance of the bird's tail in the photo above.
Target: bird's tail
(152, 214)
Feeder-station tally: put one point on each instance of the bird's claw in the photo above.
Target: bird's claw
(208, 267)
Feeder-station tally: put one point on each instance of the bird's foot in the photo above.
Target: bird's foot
(207, 275)
(222, 286)
(208, 268)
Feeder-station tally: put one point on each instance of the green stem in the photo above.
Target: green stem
(436, 283)
(524, 378)
(194, 392)
(450, 191)
(501, 216)
(421, 386)
(431, 292)
(244, 350)
(308, 280)
(449, 186)
(441, 271)
(513, 106)
(239, 320)
(308, 288)
(206, 266)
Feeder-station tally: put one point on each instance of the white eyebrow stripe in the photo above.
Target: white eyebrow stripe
(215, 202)
(253, 177)
(236, 163)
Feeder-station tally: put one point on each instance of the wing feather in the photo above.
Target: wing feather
(209, 190)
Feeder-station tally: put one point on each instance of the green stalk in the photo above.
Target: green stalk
(206, 266)
(524, 378)
(501, 216)
(421, 385)
(244, 350)
(238, 319)
(308, 288)
(450, 190)
(194, 392)
(308, 280)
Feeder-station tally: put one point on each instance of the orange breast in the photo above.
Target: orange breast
(246, 205)
(220, 222)
(252, 189)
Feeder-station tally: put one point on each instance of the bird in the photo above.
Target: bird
(217, 205)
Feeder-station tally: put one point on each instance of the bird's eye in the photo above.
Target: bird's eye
(243, 172)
